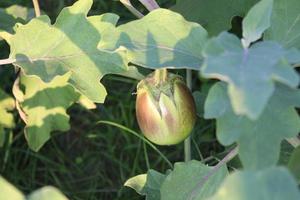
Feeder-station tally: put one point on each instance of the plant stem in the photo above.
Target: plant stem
(7, 61)
(150, 4)
(132, 9)
(295, 142)
(225, 160)
(37, 9)
(160, 75)
(187, 141)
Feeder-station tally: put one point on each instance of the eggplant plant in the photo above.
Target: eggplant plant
(253, 94)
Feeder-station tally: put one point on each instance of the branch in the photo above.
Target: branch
(7, 61)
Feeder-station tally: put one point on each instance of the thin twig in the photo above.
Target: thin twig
(226, 159)
(37, 9)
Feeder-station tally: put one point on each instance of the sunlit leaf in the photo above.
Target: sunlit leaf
(8, 191)
(7, 104)
(44, 106)
(70, 45)
(147, 184)
(47, 193)
(12, 15)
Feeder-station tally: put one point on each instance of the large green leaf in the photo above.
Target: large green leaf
(285, 24)
(271, 184)
(161, 39)
(70, 45)
(257, 21)
(43, 107)
(250, 73)
(259, 140)
(147, 184)
(192, 180)
(214, 15)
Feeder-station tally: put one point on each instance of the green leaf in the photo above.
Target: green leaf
(259, 140)
(286, 150)
(8, 191)
(7, 104)
(214, 15)
(199, 100)
(257, 21)
(8, 19)
(294, 163)
(2, 136)
(161, 39)
(250, 73)
(70, 45)
(43, 107)
(47, 193)
(285, 23)
(137, 183)
(271, 184)
(147, 184)
(12, 15)
(191, 180)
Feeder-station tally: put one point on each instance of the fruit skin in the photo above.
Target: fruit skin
(165, 111)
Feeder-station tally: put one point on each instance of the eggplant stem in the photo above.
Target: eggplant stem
(160, 76)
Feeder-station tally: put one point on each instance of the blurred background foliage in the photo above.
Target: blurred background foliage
(92, 161)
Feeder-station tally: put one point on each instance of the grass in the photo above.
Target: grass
(93, 160)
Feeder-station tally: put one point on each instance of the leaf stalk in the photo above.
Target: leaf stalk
(7, 61)
(37, 9)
